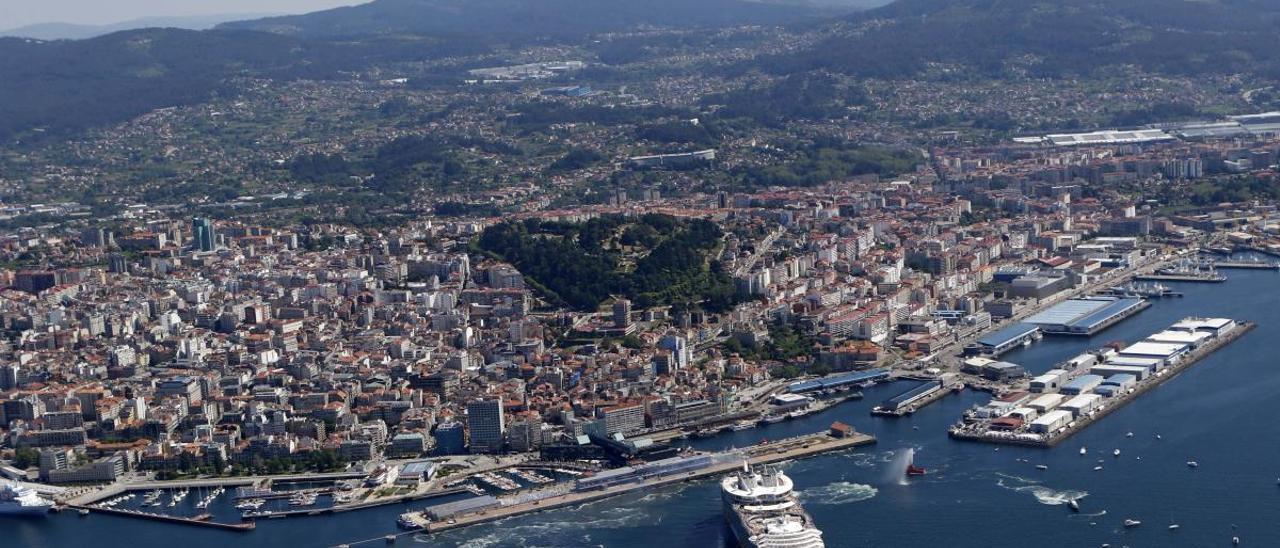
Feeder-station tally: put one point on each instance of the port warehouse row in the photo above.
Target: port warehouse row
(1085, 383)
(1084, 316)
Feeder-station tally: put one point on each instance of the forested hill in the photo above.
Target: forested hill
(62, 86)
(1051, 37)
(523, 18)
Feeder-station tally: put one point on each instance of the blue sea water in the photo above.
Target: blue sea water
(1222, 412)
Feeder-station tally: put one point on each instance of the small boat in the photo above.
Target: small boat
(1075, 505)
(1083, 451)
(1132, 523)
(1042, 467)
(1193, 464)
(1116, 452)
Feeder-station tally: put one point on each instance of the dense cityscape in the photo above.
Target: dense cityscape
(481, 285)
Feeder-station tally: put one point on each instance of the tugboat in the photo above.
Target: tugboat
(913, 470)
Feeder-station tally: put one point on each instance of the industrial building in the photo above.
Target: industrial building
(1081, 405)
(1085, 316)
(1050, 381)
(914, 394)
(1051, 421)
(1081, 385)
(1006, 339)
(837, 381)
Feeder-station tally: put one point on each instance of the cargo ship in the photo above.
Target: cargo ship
(763, 511)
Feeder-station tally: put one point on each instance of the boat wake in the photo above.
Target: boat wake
(1043, 495)
(840, 492)
(556, 533)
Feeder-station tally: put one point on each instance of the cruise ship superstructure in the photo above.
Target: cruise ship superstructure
(16, 499)
(764, 513)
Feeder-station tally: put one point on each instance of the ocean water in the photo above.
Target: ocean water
(1222, 412)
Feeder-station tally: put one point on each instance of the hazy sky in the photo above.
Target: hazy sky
(16, 13)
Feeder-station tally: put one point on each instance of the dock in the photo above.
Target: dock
(1246, 265)
(1113, 403)
(242, 527)
(1200, 278)
(794, 448)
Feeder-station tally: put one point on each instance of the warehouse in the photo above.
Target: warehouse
(1046, 402)
(836, 381)
(1024, 414)
(1051, 421)
(1049, 381)
(1081, 385)
(1150, 364)
(1124, 381)
(1081, 405)
(1192, 339)
(1167, 353)
(1214, 326)
(1007, 339)
(1109, 370)
(1085, 316)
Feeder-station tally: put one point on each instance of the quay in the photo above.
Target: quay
(242, 527)
(1201, 278)
(794, 448)
(1246, 265)
(1057, 435)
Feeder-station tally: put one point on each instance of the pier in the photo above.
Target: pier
(794, 448)
(1201, 278)
(1111, 404)
(242, 527)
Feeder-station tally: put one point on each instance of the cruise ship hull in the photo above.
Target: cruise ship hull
(21, 510)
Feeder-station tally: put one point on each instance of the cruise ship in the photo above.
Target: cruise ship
(764, 513)
(15, 499)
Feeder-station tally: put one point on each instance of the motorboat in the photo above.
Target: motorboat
(1075, 505)
(1116, 452)
(1193, 464)
(1083, 451)
(1132, 523)
(1042, 467)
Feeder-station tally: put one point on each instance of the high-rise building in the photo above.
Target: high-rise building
(116, 264)
(679, 349)
(203, 234)
(484, 420)
(621, 313)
